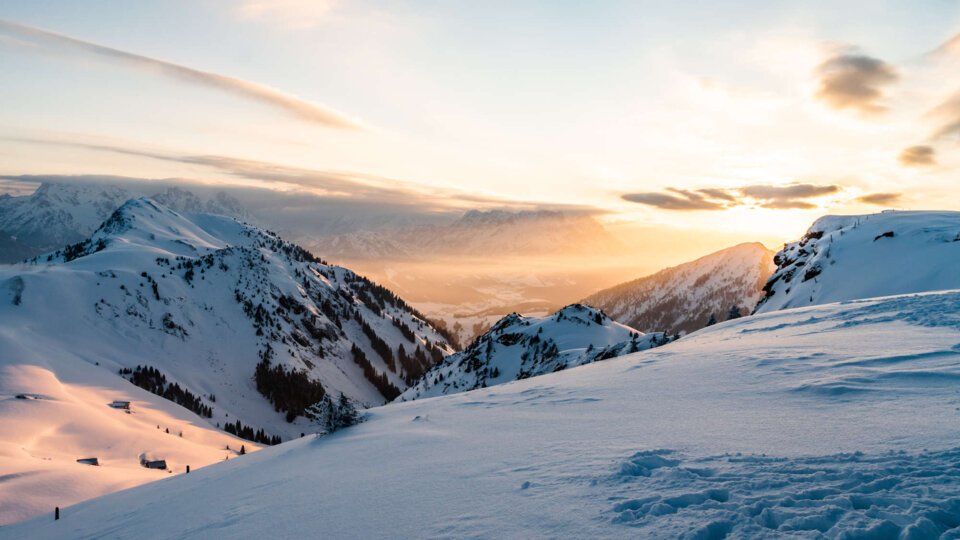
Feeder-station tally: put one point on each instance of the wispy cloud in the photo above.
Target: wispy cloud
(336, 184)
(265, 95)
(680, 200)
(855, 81)
(880, 199)
(787, 196)
(763, 196)
(948, 115)
(289, 13)
(951, 47)
(918, 156)
(340, 189)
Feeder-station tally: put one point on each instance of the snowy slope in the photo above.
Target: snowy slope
(848, 257)
(66, 417)
(834, 421)
(519, 347)
(59, 214)
(210, 303)
(681, 299)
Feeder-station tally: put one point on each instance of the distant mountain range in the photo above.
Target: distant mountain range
(480, 233)
(59, 213)
(682, 299)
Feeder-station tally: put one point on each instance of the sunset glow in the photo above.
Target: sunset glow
(613, 107)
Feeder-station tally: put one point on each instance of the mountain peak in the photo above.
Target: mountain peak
(518, 347)
(681, 299)
(864, 256)
(69, 209)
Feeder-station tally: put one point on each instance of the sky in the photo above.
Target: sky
(749, 117)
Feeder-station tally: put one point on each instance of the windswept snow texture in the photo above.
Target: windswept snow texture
(849, 257)
(682, 299)
(838, 421)
(519, 347)
(207, 301)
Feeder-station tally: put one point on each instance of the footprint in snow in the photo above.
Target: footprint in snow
(894, 495)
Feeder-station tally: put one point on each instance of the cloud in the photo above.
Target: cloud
(346, 195)
(332, 184)
(951, 47)
(918, 156)
(855, 81)
(290, 13)
(717, 194)
(948, 114)
(789, 191)
(685, 200)
(265, 95)
(880, 199)
(788, 196)
(787, 204)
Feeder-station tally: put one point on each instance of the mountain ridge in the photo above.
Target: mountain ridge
(844, 258)
(682, 298)
(519, 347)
(57, 214)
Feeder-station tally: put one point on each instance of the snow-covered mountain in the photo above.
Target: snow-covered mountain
(682, 299)
(525, 233)
(519, 347)
(57, 214)
(251, 333)
(836, 421)
(849, 257)
(363, 245)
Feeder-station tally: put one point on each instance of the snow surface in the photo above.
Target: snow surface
(832, 421)
(681, 299)
(518, 347)
(67, 417)
(848, 257)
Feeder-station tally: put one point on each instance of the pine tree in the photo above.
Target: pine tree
(243, 450)
(734, 313)
(712, 320)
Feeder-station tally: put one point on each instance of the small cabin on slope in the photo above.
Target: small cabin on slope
(89, 461)
(153, 463)
(120, 404)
